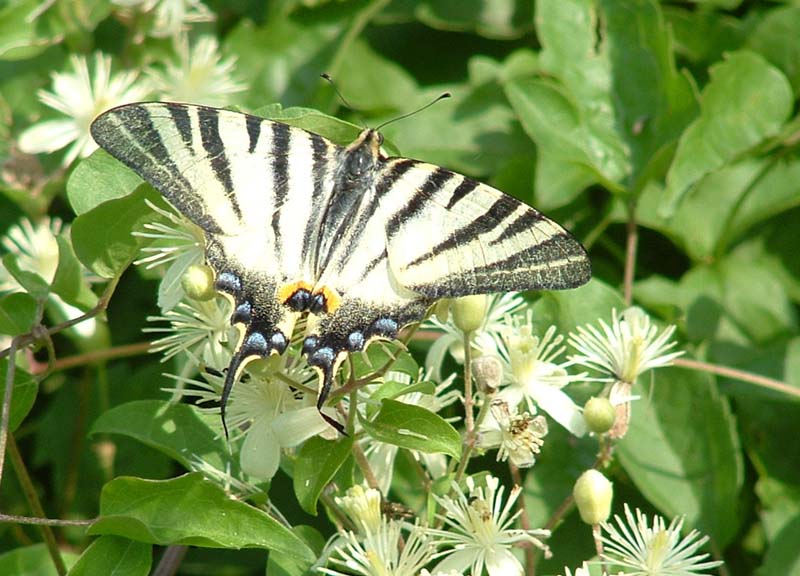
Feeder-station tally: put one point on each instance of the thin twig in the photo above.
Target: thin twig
(102, 303)
(94, 356)
(524, 520)
(170, 560)
(35, 505)
(33, 521)
(6, 409)
(736, 374)
(363, 464)
(631, 242)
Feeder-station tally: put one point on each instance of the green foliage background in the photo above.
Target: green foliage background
(673, 124)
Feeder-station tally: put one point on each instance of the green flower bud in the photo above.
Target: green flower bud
(599, 415)
(198, 282)
(593, 493)
(469, 311)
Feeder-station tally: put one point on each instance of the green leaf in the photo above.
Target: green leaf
(333, 128)
(480, 16)
(279, 71)
(372, 82)
(746, 101)
(682, 452)
(653, 102)
(568, 309)
(777, 38)
(190, 510)
(23, 395)
(98, 179)
(68, 282)
(783, 556)
(474, 132)
(178, 430)
(21, 36)
(18, 313)
(316, 464)
(378, 354)
(117, 556)
(102, 237)
(32, 282)
(288, 564)
(32, 561)
(414, 428)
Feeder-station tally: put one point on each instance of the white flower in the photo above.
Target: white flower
(274, 415)
(642, 550)
(80, 96)
(478, 531)
(177, 244)
(518, 436)
(582, 571)
(170, 17)
(382, 552)
(36, 250)
(199, 75)
(537, 378)
(487, 339)
(363, 506)
(627, 348)
(272, 406)
(200, 328)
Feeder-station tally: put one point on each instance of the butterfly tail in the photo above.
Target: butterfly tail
(325, 390)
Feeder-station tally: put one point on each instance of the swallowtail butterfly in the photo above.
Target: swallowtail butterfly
(361, 243)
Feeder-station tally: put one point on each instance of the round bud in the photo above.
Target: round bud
(198, 282)
(593, 493)
(469, 311)
(488, 373)
(599, 415)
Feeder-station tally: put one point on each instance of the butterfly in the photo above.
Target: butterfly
(360, 243)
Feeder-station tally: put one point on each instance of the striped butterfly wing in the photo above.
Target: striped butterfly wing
(448, 235)
(257, 189)
(419, 232)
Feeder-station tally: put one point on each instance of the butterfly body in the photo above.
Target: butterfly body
(360, 243)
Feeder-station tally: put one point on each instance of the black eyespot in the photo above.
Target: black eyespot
(243, 313)
(384, 327)
(310, 344)
(228, 282)
(355, 341)
(300, 300)
(322, 357)
(318, 303)
(278, 342)
(255, 344)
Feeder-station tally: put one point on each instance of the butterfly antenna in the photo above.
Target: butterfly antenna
(441, 96)
(347, 104)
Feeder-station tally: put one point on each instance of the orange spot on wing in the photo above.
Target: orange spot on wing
(332, 299)
(287, 290)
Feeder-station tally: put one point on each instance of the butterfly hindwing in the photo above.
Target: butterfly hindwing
(448, 235)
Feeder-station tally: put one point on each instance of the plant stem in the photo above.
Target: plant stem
(29, 490)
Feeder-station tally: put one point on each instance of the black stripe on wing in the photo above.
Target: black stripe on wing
(435, 181)
(129, 134)
(502, 208)
(208, 118)
(525, 221)
(279, 150)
